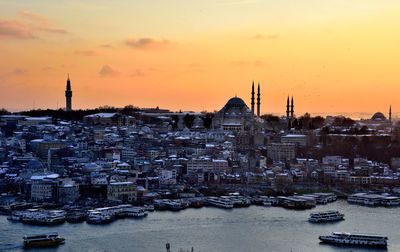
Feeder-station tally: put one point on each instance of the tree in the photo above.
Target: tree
(129, 110)
(207, 120)
(3, 111)
(272, 121)
(317, 122)
(342, 121)
(188, 119)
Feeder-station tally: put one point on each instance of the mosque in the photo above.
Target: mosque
(236, 116)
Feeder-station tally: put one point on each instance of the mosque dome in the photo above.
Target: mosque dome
(235, 102)
(378, 116)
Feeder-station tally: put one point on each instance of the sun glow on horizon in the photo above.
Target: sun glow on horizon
(331, 56)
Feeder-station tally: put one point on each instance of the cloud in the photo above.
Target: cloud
(15, 29)
(33, 16)
(26, 26)
(85, 52)
(52, 30)
(107, 71)
(261, 37)
(40, 23)
(138, 73)
(147, 43)
(20, 71)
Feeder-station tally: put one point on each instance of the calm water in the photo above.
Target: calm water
(211, 229)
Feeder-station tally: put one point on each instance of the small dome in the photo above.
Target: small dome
(378, 116)
(235, 102)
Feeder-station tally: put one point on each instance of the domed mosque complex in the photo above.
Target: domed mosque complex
(380, 118)
(236, 116)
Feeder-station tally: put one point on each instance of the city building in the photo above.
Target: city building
(121, 191)
(281, 152)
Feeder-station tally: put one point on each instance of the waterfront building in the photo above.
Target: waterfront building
(44, 188)
(68, 192)
(121, 191)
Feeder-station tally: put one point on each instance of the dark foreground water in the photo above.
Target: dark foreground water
(211, 229)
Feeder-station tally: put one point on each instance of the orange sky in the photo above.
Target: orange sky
(333, 56)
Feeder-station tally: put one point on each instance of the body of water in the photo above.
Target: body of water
(252, 229)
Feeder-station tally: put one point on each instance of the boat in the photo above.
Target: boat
(149, 208)
(173, 205)
(15, 216)
(20, 206)
(296, 202)
(238, 201)
(326, 216)
(364, 240)
(135, 212)
(160, 205)
(75, 216)
(196, 203)
(266, 204)
(41, 217)
(220, 202)
(99, 217)
(374, 199)
(42, 240)
(269, 201)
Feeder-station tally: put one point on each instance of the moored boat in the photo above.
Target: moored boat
(149, 208)
(220, 202)
(75, 216)
(41, 217)
(99, 217)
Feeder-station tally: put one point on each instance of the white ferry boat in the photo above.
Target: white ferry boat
(135, 212)
(364, 240)
(326, 216)
(220, 202)
(99, 217)
(39, 217)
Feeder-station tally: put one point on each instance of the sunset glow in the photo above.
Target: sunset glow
(332, 56)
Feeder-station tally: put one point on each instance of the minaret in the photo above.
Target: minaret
(252, 98)
(287, 113)
(292, 109)
(258, 100)
(390, 113)
(68, 96)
